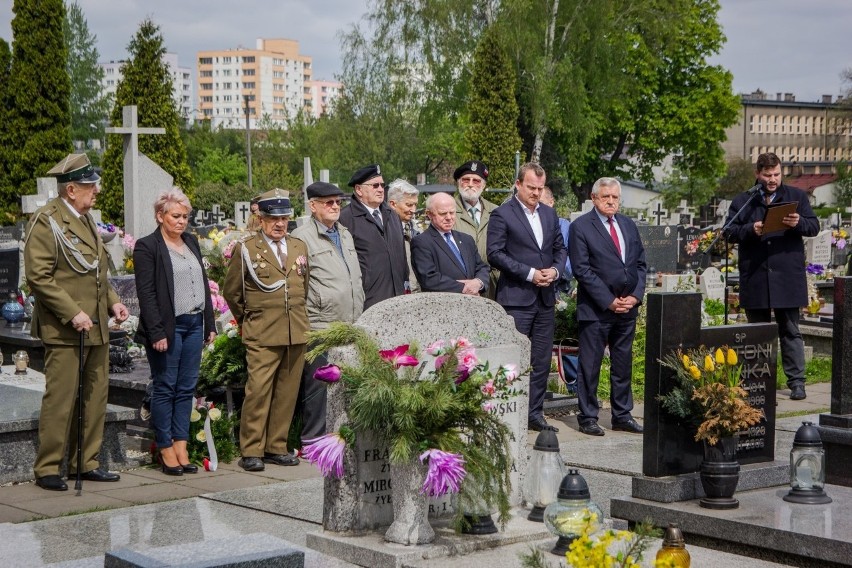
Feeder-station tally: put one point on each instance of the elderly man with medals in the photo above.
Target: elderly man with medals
(66, 268)
(266, 287)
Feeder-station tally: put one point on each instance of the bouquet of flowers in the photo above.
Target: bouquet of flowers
(566, 317)
(816, 270)
(223, 362)
(211, 435)
(702, 241)
(839, 238)
(220, 306)
(444, 417)
(217, 257)
(709, 393)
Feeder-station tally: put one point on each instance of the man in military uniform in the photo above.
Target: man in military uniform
(66, 268)
(473, 212)
(335, 292)
(265, 287)
(377, 232)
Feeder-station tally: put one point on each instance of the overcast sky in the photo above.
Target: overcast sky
(790, 46)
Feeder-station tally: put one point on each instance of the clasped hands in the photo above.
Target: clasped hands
(623, 305)
(545, 277)
(790, 220)
(82, 321)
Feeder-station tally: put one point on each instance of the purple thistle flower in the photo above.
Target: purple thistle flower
(326, 452)
(328, 374)
(446, 472)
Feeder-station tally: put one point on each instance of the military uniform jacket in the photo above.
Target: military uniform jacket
(381, 251)
(465, 224)
(273, 318)
(335, 292)
(61, 292)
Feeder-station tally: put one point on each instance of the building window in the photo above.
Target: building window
(226, 85)
(206, 99)
(226, 72)
(226, 60)
(248, 72)
(248, 85)
(206, 73)
(205, 61)
(206, 86)
(248, 59)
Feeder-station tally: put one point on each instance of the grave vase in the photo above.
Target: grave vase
(720, 474)
(410, 507)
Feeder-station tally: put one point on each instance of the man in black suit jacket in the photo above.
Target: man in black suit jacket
(376, 230)
(608, 261)
(525, 244)
(435, 253)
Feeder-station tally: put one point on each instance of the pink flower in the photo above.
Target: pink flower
(487, 406)
(435, 348)
(446, 472)
(462, 343)
(399, 357)
(328, 374)
(488, 388)
(439, 361)
(510, 370)
(464, 374)
(467, 359)
(229, 249)
(128, 241)
(326, 453)
(841, 244)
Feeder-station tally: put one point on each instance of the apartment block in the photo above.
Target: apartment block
(808, 137)
(272, 80)
(181, 81)
(322, 94)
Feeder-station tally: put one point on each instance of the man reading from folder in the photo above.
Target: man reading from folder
(772, 265)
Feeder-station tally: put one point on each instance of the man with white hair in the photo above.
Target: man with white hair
(473, 212)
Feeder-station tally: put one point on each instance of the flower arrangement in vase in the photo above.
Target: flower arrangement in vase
(443, 418)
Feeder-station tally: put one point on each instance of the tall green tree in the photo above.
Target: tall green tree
(147, 84)
(5, 65)
(36, 133)
(492, 129)
(678, 186)
(89, 108)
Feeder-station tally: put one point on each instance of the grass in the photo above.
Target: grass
(95, 509)
(817, 370)
(794, 413)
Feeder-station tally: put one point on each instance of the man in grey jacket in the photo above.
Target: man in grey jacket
(335, 292)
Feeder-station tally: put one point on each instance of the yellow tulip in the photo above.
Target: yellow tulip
(732, 357)
(695, 372)
(720, 357)
(686, 362)
(708, 364)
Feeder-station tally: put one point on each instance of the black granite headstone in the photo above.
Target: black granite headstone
(661, 246)
(10, 269)
(125, 287)
(687, 257)
(674, 322)
(12, 233)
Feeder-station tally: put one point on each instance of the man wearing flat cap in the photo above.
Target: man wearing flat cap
(265, 287)
(66, 268)
(335, 292)
(375, 228)
(473, 212)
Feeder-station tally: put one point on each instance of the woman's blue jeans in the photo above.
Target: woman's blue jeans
(175, 375)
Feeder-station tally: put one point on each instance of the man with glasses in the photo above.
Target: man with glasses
(266, 287)
(375, 228)
(335, 292)
(473, 212)
(67, 267)
(525, 243)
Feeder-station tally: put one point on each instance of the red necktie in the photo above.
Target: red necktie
(614, 236)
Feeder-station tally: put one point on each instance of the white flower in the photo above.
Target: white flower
(201, 436)
(232, 333)
(214, 414)
(195, 416)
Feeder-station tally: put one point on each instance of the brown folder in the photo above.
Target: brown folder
(773, 221)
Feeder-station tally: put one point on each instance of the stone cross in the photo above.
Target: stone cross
(47, 190)
(138, 197)
(242, 210)
(684, 212)
(659, 213)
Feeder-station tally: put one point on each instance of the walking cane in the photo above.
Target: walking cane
(78, 485)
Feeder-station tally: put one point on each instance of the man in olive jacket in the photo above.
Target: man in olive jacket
(473, 211)
(334, 290)
(265, 287)
(66, 267)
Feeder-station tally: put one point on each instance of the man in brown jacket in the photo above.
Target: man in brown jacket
(265, 287)
(66, 267)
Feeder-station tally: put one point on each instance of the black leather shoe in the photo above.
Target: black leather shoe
(252, 464)
(281, 459)
(189, 468)
(168, 470)
(539, 425)
(630, 426)
(96, 475)
(592, 429)
(798, 393)
(51, 483)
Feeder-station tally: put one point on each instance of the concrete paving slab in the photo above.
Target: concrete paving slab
(10, 514)
(225, 482)
(302, 499)
(67, 503)
(153, 493)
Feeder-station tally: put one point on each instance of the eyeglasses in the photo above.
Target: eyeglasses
(331, 202)
(376, 185)
(471, 180)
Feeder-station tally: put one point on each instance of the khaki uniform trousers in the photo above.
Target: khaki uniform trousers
(271, 392)
(57, 427)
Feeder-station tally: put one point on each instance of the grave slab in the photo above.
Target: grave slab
(764, 526)
(661, 247)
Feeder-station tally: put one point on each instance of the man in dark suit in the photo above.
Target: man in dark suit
(608, 261)
(525, 244)
(376, 230)
(446, 260)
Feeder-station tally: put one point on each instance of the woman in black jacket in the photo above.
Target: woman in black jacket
(176, 318)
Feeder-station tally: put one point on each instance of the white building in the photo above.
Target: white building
(181, 82)
(322, 94)
(273, 78)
